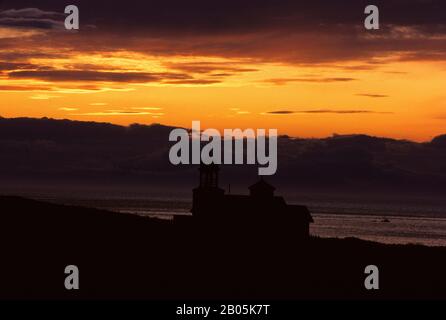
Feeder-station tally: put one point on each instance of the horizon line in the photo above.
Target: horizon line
(333, 135)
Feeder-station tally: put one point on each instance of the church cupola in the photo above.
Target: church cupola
(261, 189)
(209, 176)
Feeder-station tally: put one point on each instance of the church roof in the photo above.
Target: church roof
(262, 185)
(302, 210)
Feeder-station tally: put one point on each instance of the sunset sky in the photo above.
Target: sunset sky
(307, 68)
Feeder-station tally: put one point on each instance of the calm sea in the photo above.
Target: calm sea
(400, 221)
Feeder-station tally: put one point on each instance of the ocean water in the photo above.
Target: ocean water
(393, 229)
(427, 227)
(396, 221)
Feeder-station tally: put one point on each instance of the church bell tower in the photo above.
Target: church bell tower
(208, 195)
(209, 176)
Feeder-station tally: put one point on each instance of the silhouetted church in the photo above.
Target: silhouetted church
(260, 211)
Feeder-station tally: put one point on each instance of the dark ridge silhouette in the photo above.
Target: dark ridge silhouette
(130, 257)
(48, 150)
(63, 130)
(439, 141)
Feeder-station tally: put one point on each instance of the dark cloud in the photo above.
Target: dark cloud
(222, 16)
(396, 72)
(91, 66)
(363, 67)
(81, 75)
(192, 81)
(105, 76)
(281, 112)
(6, 66)
(435, 55)
(343, 111)
(32, 23)
(222, 75)
(287, 31)
(24, 88)
(114, 113)
(318, 111)
(369, 65)
(284, 81)
(32, 18)
(28, 13)
(369, 95)
(208, 67)
(17, 55)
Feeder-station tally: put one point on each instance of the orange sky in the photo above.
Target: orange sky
(385, 95)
